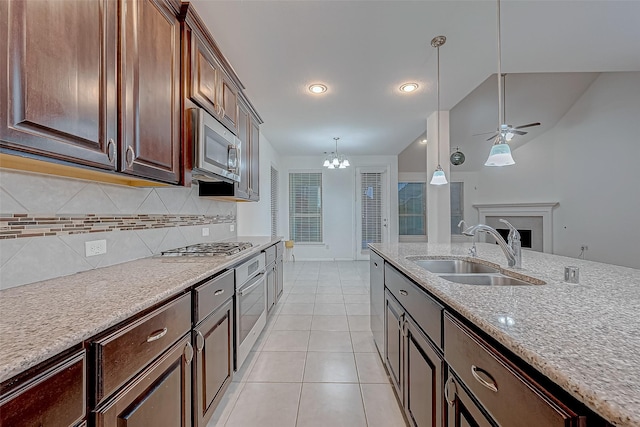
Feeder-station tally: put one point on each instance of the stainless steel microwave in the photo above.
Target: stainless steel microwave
(216, 149)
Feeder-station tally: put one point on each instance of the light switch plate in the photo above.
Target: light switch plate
(95, 247)
(232, 227)
(205, 231)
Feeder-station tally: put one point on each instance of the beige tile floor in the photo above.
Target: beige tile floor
(315, 364)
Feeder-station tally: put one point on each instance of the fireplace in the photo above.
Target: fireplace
(534, 221)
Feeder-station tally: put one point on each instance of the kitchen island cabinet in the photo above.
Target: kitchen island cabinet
(504, 345)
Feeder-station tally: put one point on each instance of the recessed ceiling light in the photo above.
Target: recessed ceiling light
(409, 87)
(317, 88)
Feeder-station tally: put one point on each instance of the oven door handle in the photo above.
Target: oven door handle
(259, 280)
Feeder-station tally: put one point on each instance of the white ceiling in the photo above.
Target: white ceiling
(363, 50)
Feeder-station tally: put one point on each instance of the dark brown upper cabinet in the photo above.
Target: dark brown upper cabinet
(78, 91)
(210, 84)
(58, 80)
(150, 98)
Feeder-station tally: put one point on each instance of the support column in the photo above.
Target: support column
(438, 196)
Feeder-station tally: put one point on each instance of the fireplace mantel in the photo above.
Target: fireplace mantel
(543, 210)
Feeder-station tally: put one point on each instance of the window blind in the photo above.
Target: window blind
(305, 207)
(371, 187)
(274, 202)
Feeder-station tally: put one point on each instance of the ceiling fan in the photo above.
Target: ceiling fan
(506, 130)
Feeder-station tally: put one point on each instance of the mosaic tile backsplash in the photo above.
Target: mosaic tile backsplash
(45, 222)
(14, 226)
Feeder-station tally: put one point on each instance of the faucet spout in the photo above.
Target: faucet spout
(511, 250)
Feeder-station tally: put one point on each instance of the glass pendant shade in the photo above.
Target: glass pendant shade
(335, 161)
(331, 166)
(500, 155)
(326, 163)
(438, 177)
(346, 163)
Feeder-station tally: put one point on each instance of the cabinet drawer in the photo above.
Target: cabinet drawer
(376, 268)
(270, 254)
(279, 249)
(53, 398)
(210, 295)
(424, 309)
(511, 397)
(120, 355)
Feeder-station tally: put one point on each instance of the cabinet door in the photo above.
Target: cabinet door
(279, 277)
(159, 396)
(423, 379)
(214, 361)
(58, 80)
(245, 160)
(150, 98)
(229, 102)
(394, 319)
(376, 270)
(271, 286)
(461, 410)
(254, 173)
(203, 85)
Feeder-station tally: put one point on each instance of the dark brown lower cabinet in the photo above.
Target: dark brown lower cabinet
(461, 410)
(213, 368)
(159, 396)
(415, 366)
(54, 398)
(423, 378)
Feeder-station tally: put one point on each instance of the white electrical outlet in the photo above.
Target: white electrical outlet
(232, 227)
(205, 231)
(95, 247)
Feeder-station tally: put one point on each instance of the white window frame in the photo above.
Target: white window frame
(292, 215)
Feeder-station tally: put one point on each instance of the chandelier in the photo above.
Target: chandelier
(335, 160)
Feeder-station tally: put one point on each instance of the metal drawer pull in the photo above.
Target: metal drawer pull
(188, 353)
(403, 292)
(157, 335)
(490, 385)
(199, 341)
(218, 292)
(450, 383)
(130, 156)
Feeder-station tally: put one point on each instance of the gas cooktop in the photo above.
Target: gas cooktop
(209, 249)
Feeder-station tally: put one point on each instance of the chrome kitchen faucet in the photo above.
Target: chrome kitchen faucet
(512, 249)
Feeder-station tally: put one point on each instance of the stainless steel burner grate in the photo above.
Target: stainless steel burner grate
(210, 249)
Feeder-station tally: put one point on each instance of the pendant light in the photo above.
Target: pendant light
(438, 176)
(500, 154)
(336, 160)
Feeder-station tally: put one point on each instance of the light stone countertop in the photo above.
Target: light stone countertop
(584, 337)
(41, 320)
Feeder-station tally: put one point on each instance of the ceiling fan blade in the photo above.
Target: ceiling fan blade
(527, 125)
(492, 137)
(519, 132)
(484, 133)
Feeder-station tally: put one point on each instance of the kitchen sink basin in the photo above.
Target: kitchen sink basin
(485, 280)
(454, 266)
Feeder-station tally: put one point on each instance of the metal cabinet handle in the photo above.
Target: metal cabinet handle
(188, 353)
(157, 335)
(375, 263)
(130, 156)
(450, 383)
(218, 292)
(491, 385)
(111, 150)
(199, 341)
(403, 292)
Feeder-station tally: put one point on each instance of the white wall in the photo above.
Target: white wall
(339, 204)
(254, 218)
(589, 164)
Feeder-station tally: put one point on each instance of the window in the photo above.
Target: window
(412, 208)
(274, 202)
(457, 205)
(305, 207)
(412, 202)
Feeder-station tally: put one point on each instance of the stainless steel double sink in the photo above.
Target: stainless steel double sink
(468, 272)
